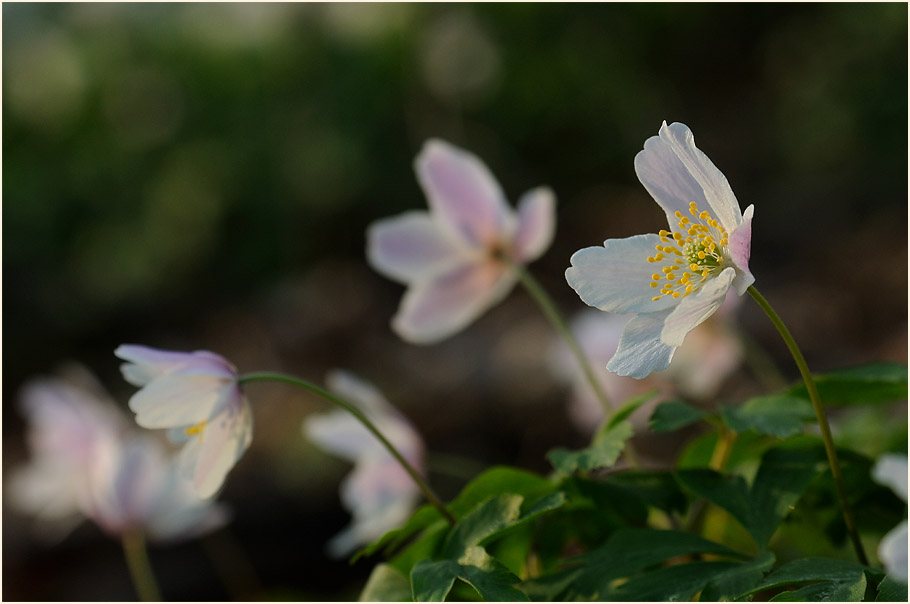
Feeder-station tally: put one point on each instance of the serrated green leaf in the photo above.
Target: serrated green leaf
(424, 547)
(778, 415)
(490, 516)
(728, 492)
(603, 452)
(732, 584)
(673, 415)
(629, 551)
(658, 489)
(498, 480)
(831, 577)
(422, 517)
(432, 581)
(494, 583)
(677, 583)
(891, 590)
(876, 383)
(386, 584)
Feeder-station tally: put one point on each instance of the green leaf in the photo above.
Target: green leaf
(677, 583)
(732, 584)
(603, 452)
(877, 383)
(834, 580)
(386, 584)
(493, 515)
(658, 489)
(422, 517)
(432, 581)
(891, 590)
(496, 481)
(777, 415)
(784, 474)
(673, 415)
(629, 551)
(424, 547)
(494, 583)
(629, 407)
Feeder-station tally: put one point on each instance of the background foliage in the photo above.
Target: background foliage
(201, 176)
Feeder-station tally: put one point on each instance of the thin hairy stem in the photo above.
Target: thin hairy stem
(822, 421)
(332, 398)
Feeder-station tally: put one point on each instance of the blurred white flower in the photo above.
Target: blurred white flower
(379, 493)
(196, 395)
(891, 470)
(87, 462)
(451, 256)
(701, 364)
(675, 279)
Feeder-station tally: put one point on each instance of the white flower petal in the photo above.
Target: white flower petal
(178, 399)
(412, 246)
(536, 224)
(640, 350)
(360, 392)
(463, 194)
(339, 433)
(891, 470)
(617, 277)
(892, 551)
(740, 247)
(697, 307)
(675, 172)
(432, 311)
(146, 364)
(224, 440)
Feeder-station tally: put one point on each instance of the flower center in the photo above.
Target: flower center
(690, 255)
(197, 429)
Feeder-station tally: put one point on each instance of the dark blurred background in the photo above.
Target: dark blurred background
(200, 176)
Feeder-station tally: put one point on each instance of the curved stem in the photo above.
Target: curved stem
(822, 421)
(549, 309)
(140, 569)
(332, 398)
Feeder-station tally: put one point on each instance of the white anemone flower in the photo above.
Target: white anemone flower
(891, 470)
(379, 493)
(87, 463)
(196, 396)
(675, 279)
(451, 258)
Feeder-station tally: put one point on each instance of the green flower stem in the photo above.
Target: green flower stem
(549, 309)
(140, 569)
(300, 383)
(822, 421)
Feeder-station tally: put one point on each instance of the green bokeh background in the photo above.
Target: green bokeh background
(200, 176)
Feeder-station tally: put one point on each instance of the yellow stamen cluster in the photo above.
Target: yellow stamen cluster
(197, 429)
(692, 254)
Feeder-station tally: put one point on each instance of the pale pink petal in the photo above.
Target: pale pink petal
(146, 364)
(223, 441)
(675, 172)
(617, 277)
(740, 246)
(412, 246)
(536, 224)
(891, 470)
(707, 357)
(892, 551)
(432, 311)
(178, 399)
(339, 433)
(697, 307)
(462, 194)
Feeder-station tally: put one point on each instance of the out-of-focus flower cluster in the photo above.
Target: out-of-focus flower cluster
(87, 461)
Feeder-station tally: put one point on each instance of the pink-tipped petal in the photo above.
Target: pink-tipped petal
(432, 311)
(696, 308)
(462, 194)
(640, 350)
(675, 172)
(617, 277)
(740, 247)
(145, 364)
(536, 224)
(411, 246)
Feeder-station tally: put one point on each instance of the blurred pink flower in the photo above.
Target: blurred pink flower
(891, 470)
(379, 494)
(450, 257)
(699, 367)
(672, 280)
(196, 395)
(86, 462)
